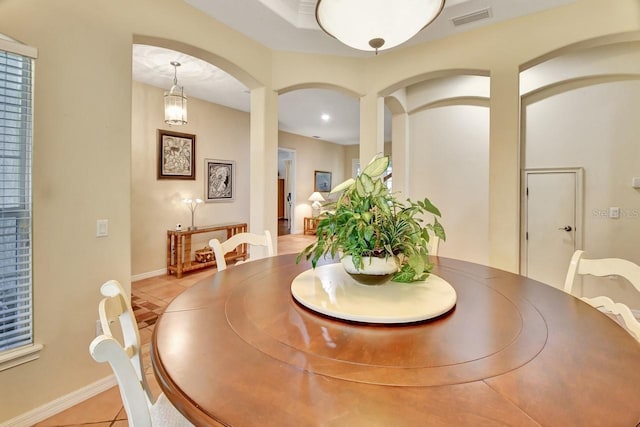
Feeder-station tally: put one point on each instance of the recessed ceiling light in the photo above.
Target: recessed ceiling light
(325, 117)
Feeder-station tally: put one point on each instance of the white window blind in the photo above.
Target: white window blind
(16, 316)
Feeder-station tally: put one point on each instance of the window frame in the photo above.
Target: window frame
(20, 354)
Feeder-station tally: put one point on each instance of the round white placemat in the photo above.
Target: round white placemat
(330, 290)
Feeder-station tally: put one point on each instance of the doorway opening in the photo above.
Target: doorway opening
(286, 190)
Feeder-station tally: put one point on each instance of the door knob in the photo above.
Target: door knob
(566, 228)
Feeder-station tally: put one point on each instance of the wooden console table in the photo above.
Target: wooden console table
(310, 225)
(179, 248)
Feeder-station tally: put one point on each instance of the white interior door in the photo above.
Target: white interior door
(552, 225)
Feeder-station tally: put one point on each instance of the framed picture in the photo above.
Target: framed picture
(176, 155)
(221, 180)
(321, 181)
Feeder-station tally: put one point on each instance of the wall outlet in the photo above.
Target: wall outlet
(102, 228)
(99, 330)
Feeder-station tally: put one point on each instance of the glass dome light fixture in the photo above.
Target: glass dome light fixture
(175, 101)
(374, 25)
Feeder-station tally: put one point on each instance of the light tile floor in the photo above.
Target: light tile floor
(105, 409)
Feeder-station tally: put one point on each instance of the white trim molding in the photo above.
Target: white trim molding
(20, 355)
(148, 274)
(62, 403)
(9, 45)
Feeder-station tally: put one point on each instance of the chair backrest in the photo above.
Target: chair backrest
(115, 307)
(105, 348)
(125, 358)
(606, 267)
(222, 248)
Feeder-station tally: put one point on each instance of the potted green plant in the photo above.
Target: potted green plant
(367, 225)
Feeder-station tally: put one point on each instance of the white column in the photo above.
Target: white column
(263, 160)
(504, 169)
(400, 154)
(371, 127)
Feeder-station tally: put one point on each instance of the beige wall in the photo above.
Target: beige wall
(311, 155)
(156, 205)
(592, 123)
(574, 129)
(501, 50)
(82, 139)
(82, 168)
(350, 152)
(81, 173)
(449, 164)
(221, 133)
(449, 159)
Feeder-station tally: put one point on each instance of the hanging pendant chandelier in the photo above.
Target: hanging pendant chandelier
(374, 25)
(175, 101)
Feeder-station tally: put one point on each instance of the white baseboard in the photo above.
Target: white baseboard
(149, 274)
(62, 403)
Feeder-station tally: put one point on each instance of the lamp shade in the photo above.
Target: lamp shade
(375, 24)
(192, 201)
(175, 101)
(316, 197)
(175, 106)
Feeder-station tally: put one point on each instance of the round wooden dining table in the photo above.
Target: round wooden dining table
(236, 349)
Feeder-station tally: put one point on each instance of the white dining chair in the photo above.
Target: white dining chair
(126, 362)
(222, 248)
(606, 267)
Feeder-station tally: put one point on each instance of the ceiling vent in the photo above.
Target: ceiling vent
(472, 17)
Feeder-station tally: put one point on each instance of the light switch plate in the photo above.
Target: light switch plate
(635, 182)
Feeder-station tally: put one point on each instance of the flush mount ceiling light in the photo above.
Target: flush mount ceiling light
(375, 24)
(175, 101)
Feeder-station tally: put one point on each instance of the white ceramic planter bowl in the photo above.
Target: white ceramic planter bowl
(374, 271)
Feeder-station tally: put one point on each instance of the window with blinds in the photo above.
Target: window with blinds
(16, 316)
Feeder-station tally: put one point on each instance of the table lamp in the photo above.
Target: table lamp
(316, 198)
(192, 204)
